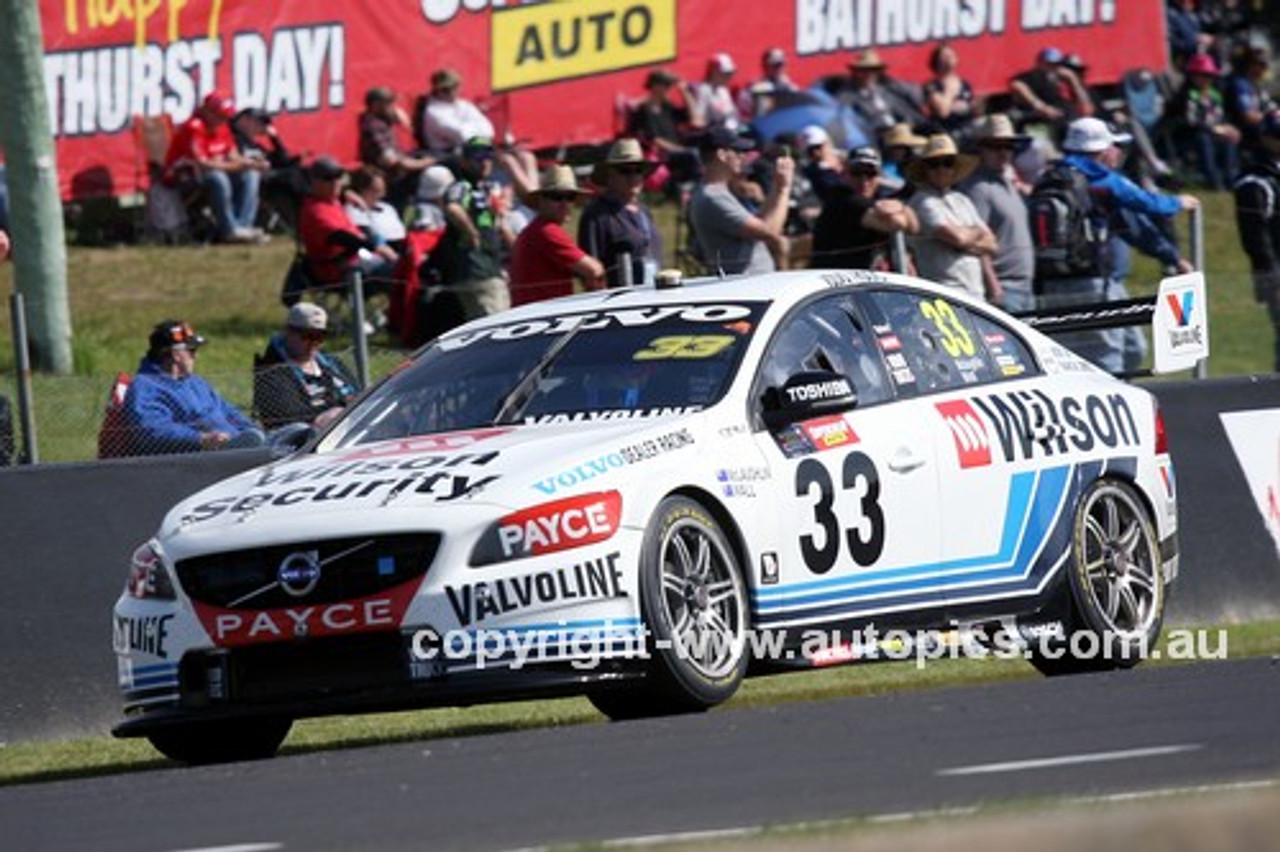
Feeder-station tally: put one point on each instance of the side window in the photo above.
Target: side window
(828, 334)
(929, 343)
(1010, 357)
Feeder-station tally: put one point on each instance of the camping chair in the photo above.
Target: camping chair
(114, 436)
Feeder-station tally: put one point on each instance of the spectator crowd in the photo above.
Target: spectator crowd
(1030, 198)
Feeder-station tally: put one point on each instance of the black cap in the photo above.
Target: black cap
(326, 168)
(722, 137)
(478, 148)
(173, 334)
(255, 112)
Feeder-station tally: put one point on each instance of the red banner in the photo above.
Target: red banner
(550, 73)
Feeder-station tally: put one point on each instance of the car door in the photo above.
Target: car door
(970, 371)
(857, 490)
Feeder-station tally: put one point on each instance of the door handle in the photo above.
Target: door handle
(905, 460)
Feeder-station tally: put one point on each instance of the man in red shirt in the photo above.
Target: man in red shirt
(331, 242)
(545, 260)
(204, 152)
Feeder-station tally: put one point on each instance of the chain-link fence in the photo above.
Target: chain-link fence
(70, 412)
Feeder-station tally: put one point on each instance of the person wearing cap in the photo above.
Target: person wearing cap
(617, 223)
(1092, 149)
(294, 381)
(170, 409)
(203, 153)
(1050, 93)
(478, 235)
(823, 167)
(954, 246)
(427, 212)
(713, 103)
(1199, 116)
(545, 261)
(881, 100)
(1257, 197)
(333, 244)
(996, 193)
(449, 120)
(852, 230)
(284, 181)
(379, 146)
(730, 238)
(760, 96)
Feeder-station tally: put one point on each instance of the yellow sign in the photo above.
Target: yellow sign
(557, 41)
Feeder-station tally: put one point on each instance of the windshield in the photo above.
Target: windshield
(622, 363)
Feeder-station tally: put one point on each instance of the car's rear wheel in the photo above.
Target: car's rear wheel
(1114, 582)
(222, 741)
(694, 603)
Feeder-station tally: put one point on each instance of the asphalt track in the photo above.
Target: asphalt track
(1147, 729)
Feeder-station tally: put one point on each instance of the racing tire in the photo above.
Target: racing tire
(1114, 585)
(693, 600)
(223, 741)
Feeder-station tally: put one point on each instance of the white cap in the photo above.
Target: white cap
(723, 63)
(434, 182)
(813, 135)
(1091, 135)
(306, 316)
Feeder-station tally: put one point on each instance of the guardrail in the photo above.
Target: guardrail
(69, 530)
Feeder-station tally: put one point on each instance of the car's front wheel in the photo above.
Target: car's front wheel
(1114, 582)
(222, 741)
(694, 603)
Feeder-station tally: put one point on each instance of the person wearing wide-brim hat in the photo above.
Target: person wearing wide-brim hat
(995, 192)
(616, 224)
(941, 146)
(867, 60)
(955, 245)
(545, 261)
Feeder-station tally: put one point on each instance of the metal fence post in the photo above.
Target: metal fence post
(22, 359)
(1196, 240)
(626, 275)
(359, 337)
(898, 251)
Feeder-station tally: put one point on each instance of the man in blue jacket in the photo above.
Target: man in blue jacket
(1091, 149)
(169, 409)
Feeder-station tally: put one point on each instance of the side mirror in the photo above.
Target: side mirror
(287, 440)
(807, 395)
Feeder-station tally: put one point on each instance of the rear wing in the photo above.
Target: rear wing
(1178, 315)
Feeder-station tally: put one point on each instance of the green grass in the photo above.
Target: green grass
(231, 295)
(47, 761)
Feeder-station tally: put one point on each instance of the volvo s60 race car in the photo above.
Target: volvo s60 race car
(618, 493)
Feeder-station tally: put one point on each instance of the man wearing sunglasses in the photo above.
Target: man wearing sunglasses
(169, 409)
(545, 261)
(616, 222)
(954, 246)
(993, 189)
(852, 232)
(293, 380)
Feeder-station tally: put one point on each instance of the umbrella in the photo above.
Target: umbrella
(794, 111)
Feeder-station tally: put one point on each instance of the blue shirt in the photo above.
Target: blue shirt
(167, 415)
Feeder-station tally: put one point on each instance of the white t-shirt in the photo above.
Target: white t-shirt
(381, 220)
(448, 124)
(939, 261)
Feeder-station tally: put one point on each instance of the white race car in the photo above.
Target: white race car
(634, 494)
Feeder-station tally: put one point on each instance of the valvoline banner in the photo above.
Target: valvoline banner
(550, 73)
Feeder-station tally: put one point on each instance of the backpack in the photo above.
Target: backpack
(1069, 241)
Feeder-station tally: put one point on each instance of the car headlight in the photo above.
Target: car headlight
(148, 576)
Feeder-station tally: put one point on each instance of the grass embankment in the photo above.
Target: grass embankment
(230, 293)
(47, 761)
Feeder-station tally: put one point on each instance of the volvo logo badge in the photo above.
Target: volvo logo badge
(299, 572)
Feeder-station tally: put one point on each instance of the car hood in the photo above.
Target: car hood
(508, 467)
